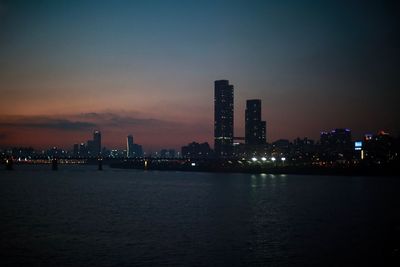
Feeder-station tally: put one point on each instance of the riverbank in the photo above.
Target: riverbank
(225, 167)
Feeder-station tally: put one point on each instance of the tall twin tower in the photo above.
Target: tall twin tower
(255, 129)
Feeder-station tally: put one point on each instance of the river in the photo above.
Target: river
(79, 216)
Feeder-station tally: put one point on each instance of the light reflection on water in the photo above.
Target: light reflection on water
(263, 180)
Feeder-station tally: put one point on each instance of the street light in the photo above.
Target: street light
(263, 158)
(254, 159)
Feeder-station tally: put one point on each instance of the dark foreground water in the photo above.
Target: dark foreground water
(78, 216)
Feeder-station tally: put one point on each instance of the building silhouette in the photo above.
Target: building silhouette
(90, 148)
(255, 128)
(137, 150)
(76, 149)
(129, 146)
(133, 150)
(380, 149)
(336, 145)
(83, 150)
(96, 145)
(195, 150)
(223, 118)
(167, 153)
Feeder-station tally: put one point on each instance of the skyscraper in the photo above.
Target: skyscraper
(96, 143)
(129, 146)
(223, 118)
(255, 128)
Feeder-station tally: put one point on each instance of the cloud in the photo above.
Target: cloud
(83, 121)
(43, 122)
(63, 125)
(117, 120)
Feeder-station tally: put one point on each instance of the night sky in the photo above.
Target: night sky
(147, 68)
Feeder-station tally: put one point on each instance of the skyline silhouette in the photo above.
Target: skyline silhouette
(131, 67)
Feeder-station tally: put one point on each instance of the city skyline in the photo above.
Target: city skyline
(129, 67)
(220, 88)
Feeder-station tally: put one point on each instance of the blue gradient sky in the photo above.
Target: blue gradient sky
(316, 65)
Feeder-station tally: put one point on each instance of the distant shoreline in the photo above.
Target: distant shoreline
(224, 167)
(304, 170)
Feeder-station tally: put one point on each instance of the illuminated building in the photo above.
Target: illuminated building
(255, 128)
(358, 148)
(223, 118)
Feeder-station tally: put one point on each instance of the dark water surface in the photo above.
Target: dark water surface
(78, 216)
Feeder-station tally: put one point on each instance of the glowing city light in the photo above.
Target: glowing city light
(254, 159)
(273, 158)
(263, 158)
